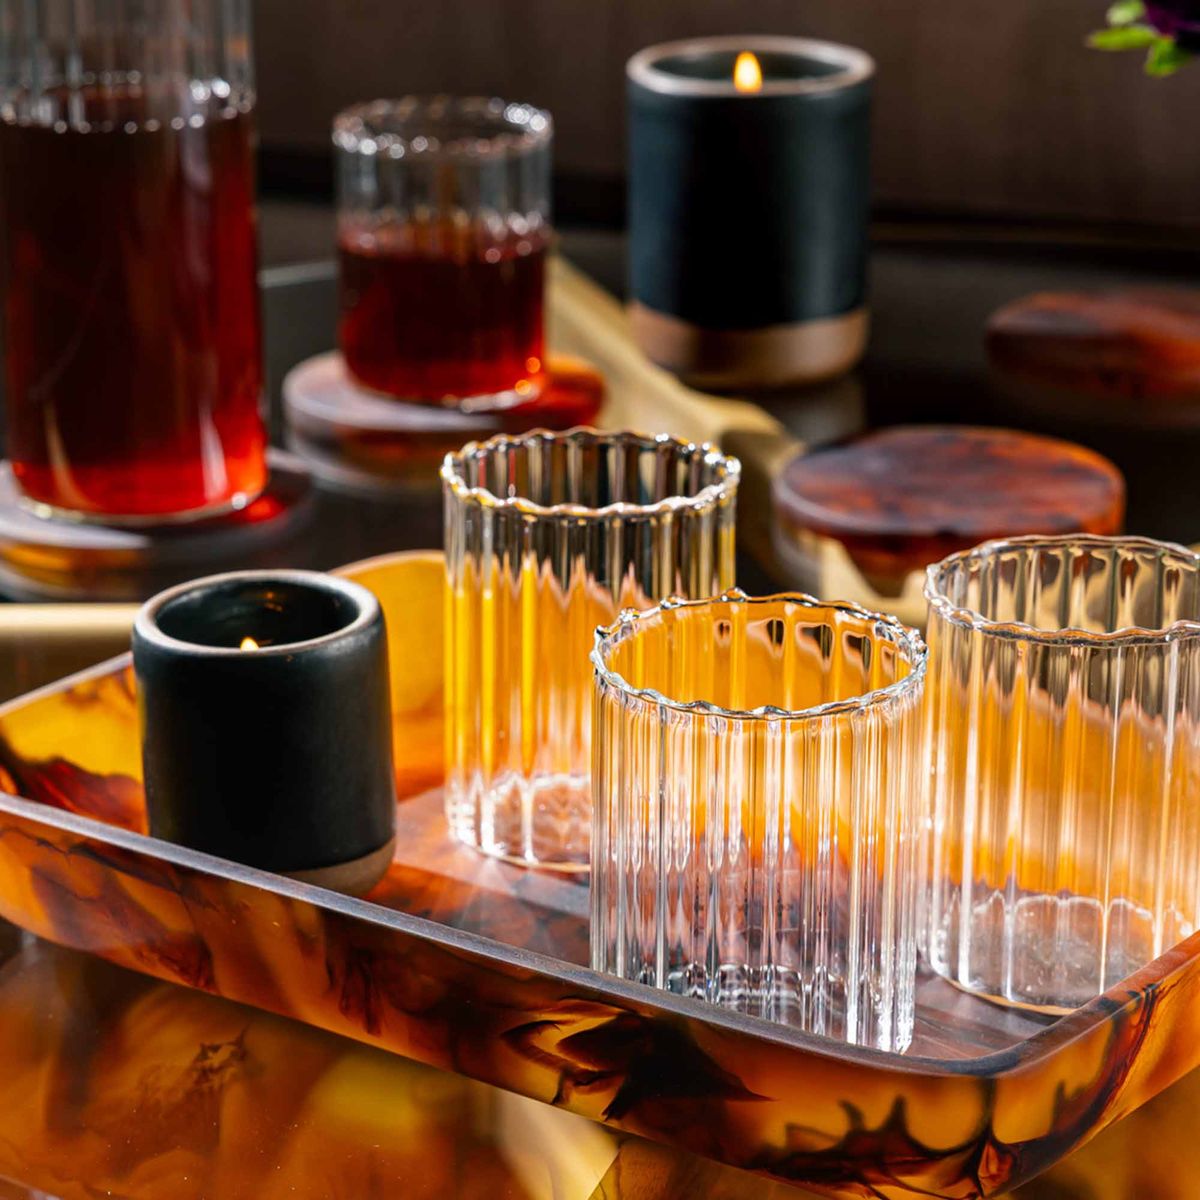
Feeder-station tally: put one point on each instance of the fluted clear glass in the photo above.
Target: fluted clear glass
(1064, 710)
(547, 536)
(757, 815)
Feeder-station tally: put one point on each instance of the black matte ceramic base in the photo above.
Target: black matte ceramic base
(748, 209)
(266, 723)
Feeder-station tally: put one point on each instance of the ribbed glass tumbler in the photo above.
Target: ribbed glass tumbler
(547, 536)
(1064, 707)
(757, 815)
(443, 234)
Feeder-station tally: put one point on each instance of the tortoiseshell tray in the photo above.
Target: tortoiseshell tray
(477, 967)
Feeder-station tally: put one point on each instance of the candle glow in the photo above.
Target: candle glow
(747, 74)
(248, 643)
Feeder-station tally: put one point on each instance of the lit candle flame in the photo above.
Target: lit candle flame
(248, 643)
(747, 74)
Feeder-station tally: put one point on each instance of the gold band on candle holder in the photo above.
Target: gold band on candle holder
(353, 878)
(801, 352)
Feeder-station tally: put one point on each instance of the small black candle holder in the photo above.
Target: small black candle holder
(266, 724)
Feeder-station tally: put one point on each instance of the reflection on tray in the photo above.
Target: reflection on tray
(155, 1093)
(143, 1090)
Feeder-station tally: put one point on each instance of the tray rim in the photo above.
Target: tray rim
(1045, 1045)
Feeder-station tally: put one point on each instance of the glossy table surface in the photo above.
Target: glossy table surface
(111, 1084)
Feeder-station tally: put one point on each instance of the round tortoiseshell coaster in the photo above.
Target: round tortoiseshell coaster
(361, 440)
(1121, 356)
(55, 558)
(899, 499)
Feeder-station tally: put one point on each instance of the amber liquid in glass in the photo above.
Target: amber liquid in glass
(133, 357)
(439, 310)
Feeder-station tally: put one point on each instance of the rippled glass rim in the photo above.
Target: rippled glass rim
(518, 128)
(906, 639)
(453, 474)
(968, 618)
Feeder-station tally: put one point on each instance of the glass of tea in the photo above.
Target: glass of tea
(128, 258)
(443, 228)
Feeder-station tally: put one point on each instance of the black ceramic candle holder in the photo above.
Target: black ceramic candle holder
(266, 725)
(748, 204)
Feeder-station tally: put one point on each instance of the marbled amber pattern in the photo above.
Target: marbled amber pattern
(432, 987)
(1122, 352)
(899, 499)
(115, 1084)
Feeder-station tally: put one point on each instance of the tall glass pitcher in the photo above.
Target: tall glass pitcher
(128, 245)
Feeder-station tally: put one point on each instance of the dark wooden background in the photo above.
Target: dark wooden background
(987, 109)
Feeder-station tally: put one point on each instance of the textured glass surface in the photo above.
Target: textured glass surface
(757, 815)
(444, 156)
(1065, 729)
(133, 375)
(548, 536)
(443, 231)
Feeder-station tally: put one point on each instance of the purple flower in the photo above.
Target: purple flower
(1178, 19)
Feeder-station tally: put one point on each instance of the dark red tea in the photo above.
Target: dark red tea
(431, 311)
(133, 355)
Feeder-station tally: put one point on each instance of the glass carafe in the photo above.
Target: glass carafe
(128, 257)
